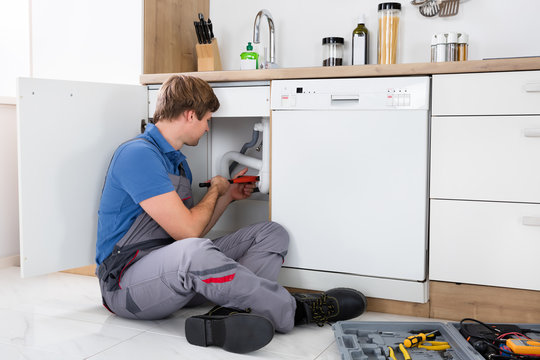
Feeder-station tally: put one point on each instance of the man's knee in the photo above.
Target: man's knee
(276, 236)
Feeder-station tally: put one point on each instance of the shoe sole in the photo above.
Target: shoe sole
(238, 333)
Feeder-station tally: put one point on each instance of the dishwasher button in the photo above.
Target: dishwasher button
(407, 101)
(389, 100)
(284, 100)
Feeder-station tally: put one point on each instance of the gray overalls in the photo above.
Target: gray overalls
(150, 276)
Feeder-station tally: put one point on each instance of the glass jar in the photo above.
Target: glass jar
(463, 47)
(388, 32)
(452, 47)
(333, 51)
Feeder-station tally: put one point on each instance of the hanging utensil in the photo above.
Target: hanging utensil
(449, 8)
(429, 8)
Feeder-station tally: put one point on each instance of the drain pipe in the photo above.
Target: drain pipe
(262, 165)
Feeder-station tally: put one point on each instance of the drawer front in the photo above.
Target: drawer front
(250, 101)
(501, 93)
(486, 158)
(485, 243)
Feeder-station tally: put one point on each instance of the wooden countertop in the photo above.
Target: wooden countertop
(474, 66)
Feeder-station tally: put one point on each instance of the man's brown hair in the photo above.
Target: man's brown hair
(180, 93)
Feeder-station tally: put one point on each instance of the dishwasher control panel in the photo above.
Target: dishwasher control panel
(361, 94)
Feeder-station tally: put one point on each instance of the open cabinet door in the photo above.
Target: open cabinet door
(67, 133)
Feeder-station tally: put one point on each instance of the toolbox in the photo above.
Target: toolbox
(370, 340)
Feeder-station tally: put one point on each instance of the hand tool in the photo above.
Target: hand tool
(392, 355)
(434, 345)
(524, 346)
(238, 180)
(404, 351)
(414, 340)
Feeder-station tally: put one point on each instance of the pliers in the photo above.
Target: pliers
(404, 351)
(434, 345)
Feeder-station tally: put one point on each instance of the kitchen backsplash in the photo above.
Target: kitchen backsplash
(496, 28)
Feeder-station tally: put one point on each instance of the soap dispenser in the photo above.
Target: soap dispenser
(249, 59)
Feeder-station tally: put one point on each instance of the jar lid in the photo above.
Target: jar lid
(463, 38)
(390, 6)
(333, 40)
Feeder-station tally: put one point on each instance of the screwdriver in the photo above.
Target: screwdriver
(416, 339)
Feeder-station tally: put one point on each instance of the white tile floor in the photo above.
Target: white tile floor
(60, 317)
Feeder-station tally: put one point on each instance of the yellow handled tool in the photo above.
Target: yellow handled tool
(392, 355)
(404, 351)
(434, 345)
(417, 339)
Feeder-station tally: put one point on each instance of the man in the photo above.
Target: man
(151, 252)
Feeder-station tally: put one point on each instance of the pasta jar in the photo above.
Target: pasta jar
(388, 32)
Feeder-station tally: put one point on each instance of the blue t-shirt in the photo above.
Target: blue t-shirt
(138, 171)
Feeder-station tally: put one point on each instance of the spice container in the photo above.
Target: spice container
(441, 47)
(333, 51)
(388, 32)
(452, 47)
(463, 47)
(434, 48)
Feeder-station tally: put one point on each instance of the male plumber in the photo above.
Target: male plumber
(152, 255)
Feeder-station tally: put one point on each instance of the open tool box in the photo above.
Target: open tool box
(359, 340)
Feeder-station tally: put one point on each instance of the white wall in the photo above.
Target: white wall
(9, 203)
(497, 28)
(14, 44)
(87, 40)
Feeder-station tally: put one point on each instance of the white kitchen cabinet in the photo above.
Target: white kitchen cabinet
(488, 243)
(485, 158)
(502, 93)
(67, 133)
(485, 197)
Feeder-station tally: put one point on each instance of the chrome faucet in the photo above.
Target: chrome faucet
(257, 35)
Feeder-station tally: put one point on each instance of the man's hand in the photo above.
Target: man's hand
(221, 184)
(241, 191)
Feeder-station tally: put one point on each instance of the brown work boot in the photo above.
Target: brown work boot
(333, 305)
(234, 330)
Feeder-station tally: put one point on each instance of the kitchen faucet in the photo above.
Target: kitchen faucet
(257, 35)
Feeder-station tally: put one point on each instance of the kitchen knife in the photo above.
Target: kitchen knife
(210, 28)
(197, 31)
(202, 27)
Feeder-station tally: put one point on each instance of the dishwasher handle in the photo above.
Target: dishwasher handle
(532, 87)
(340, 98)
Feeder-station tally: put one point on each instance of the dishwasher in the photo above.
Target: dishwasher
(350, 183)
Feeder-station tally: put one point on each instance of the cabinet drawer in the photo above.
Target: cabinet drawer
(485, 243)
(486, 158)
(501, 93)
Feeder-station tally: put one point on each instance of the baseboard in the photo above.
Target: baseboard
(10, 261)
(89, 270)
(485, 303)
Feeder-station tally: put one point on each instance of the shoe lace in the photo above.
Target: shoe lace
(321, 310)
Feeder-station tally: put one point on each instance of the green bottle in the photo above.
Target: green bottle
(249, 59)
(360, 43)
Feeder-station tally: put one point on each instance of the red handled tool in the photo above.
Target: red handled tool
(238, 180)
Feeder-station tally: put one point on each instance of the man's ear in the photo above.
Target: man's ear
(190, 115)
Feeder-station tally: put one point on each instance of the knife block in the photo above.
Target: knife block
(208, 56)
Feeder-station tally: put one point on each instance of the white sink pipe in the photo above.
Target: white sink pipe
(262, 165)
